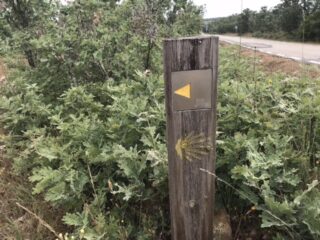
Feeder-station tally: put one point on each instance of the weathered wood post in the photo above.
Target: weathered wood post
(191, 90)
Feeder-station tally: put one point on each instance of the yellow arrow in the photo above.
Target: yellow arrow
(184, 91)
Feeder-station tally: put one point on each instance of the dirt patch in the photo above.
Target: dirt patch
(275, 64)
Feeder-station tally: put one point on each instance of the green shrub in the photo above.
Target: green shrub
(87, 126)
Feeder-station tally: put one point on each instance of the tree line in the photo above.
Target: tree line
(291, 19)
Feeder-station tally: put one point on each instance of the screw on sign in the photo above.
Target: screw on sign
(191, 68)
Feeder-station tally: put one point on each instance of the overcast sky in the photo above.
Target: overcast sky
(223, 8)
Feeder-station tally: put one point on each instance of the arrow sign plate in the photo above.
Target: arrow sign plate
(191, 90)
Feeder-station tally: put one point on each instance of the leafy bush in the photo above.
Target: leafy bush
(269, 147)
(87, 126)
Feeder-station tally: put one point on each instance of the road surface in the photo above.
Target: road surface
(302, 52)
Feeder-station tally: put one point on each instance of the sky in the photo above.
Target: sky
(223, 8)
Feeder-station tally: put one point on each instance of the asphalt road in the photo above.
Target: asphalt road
(302, 52)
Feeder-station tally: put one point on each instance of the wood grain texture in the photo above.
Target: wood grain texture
(191, 191)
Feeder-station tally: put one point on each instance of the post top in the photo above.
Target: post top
(198, 37)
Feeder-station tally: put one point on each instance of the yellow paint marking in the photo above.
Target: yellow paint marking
(184, 91)
(193, 147)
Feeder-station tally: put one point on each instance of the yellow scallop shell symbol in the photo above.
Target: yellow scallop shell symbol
(193, 147)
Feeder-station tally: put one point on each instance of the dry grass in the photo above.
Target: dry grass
(274, 64)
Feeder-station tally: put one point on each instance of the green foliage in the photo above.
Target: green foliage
(311, 26)
(87, 119)
(87, 125)
(27, 19)
(189, 19)
(268, 148)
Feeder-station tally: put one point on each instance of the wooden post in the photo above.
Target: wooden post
(191, 90)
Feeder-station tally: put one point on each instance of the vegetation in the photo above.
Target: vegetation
(291, 19)
(90, 135)
(86, 124)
